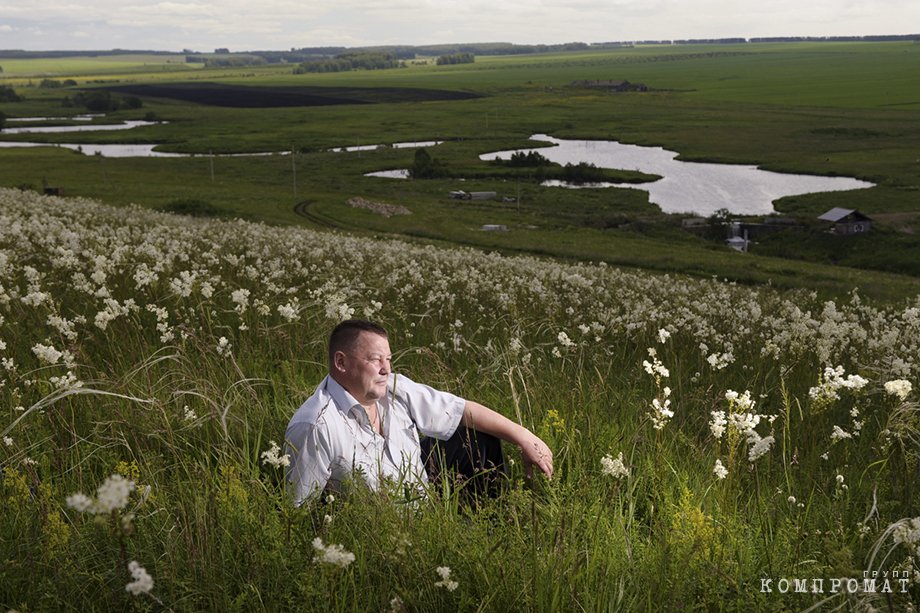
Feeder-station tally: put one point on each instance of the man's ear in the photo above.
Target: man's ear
(338, 360)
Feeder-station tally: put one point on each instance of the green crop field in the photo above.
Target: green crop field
(836, 109)
(727, 428)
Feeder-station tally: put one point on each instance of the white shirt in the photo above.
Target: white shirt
(329, 437)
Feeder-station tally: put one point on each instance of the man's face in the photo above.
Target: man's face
(364, 369)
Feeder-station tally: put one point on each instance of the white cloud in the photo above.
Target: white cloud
(279, 24)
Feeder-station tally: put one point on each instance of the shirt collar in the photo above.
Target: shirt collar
(343, 400)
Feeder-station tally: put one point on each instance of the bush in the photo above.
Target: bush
(192, 207)
(8, 94)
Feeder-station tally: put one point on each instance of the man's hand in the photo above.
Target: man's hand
(536, 452)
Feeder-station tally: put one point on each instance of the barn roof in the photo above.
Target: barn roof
(837, 214)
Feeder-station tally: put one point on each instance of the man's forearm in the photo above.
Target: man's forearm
(484, 419)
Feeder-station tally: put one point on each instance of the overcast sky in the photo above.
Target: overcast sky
(203, 25)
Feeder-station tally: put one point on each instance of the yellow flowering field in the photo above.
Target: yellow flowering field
(717, 446)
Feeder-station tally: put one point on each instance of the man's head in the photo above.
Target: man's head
(360, 359)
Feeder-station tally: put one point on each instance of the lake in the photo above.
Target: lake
(687, 187)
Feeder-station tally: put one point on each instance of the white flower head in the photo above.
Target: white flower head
(899, 387)
(719, 470)
(614, 467)
(272, 458)
(334, 555)
(446, 582)
(142, 582)
(113, 494)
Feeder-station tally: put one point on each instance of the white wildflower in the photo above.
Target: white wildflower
(717, 423)
(79, 502)
(272, 458)
(142, 582)
(898, 387)
(47, 354)
(614, 467)
(839, 434)
(288, 311)
(446, 582)
(113, 494)
(223, 346)
(335, 555)
(759, 447)
(719, 470)
(241, 298)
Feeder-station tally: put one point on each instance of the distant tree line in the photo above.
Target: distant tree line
(100, 101)
(351, 61)
(54, 83)
(519, 159)
(456, 58)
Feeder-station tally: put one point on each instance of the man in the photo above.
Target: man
(363, 418)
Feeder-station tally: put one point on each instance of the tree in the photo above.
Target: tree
(426, 167)
(8, 94)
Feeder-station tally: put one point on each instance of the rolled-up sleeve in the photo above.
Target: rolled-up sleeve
(434, 412)
(311, 459)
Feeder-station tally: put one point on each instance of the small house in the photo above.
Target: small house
(847, 221)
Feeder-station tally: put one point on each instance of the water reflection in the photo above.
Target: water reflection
(689, 187)
(96, 127)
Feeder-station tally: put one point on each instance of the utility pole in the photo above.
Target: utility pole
(294, 169)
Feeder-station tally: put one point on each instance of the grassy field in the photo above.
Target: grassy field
(836, 109)
(714, 443)
(726, 427)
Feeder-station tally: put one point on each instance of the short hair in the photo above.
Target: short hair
(345, 335)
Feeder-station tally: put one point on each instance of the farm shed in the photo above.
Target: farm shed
(847, 221)
(462, 195)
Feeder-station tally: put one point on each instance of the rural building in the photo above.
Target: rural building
(462, 195)
(494, 227)
(847, 221)
(612, 85)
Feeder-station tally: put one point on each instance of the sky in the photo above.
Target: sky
(247, 25)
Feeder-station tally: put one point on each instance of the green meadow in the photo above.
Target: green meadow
(731, 432)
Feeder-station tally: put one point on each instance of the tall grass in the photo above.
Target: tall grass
(129, 347)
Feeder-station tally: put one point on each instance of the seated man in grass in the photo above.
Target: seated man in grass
(365, 418)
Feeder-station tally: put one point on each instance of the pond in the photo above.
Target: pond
(143, 150)
(688, 187)
(95, 127)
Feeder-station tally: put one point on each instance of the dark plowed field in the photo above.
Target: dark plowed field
(241, 96)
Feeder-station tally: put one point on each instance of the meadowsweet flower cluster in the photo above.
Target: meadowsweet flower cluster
(614, 467)
(141, 582)
(719, 470)
(899, 388)
(831, 381)
(446, 582)
(112, 495)
(271, 457)
(334, 555)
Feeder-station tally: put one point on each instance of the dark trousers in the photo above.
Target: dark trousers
(472, 459)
